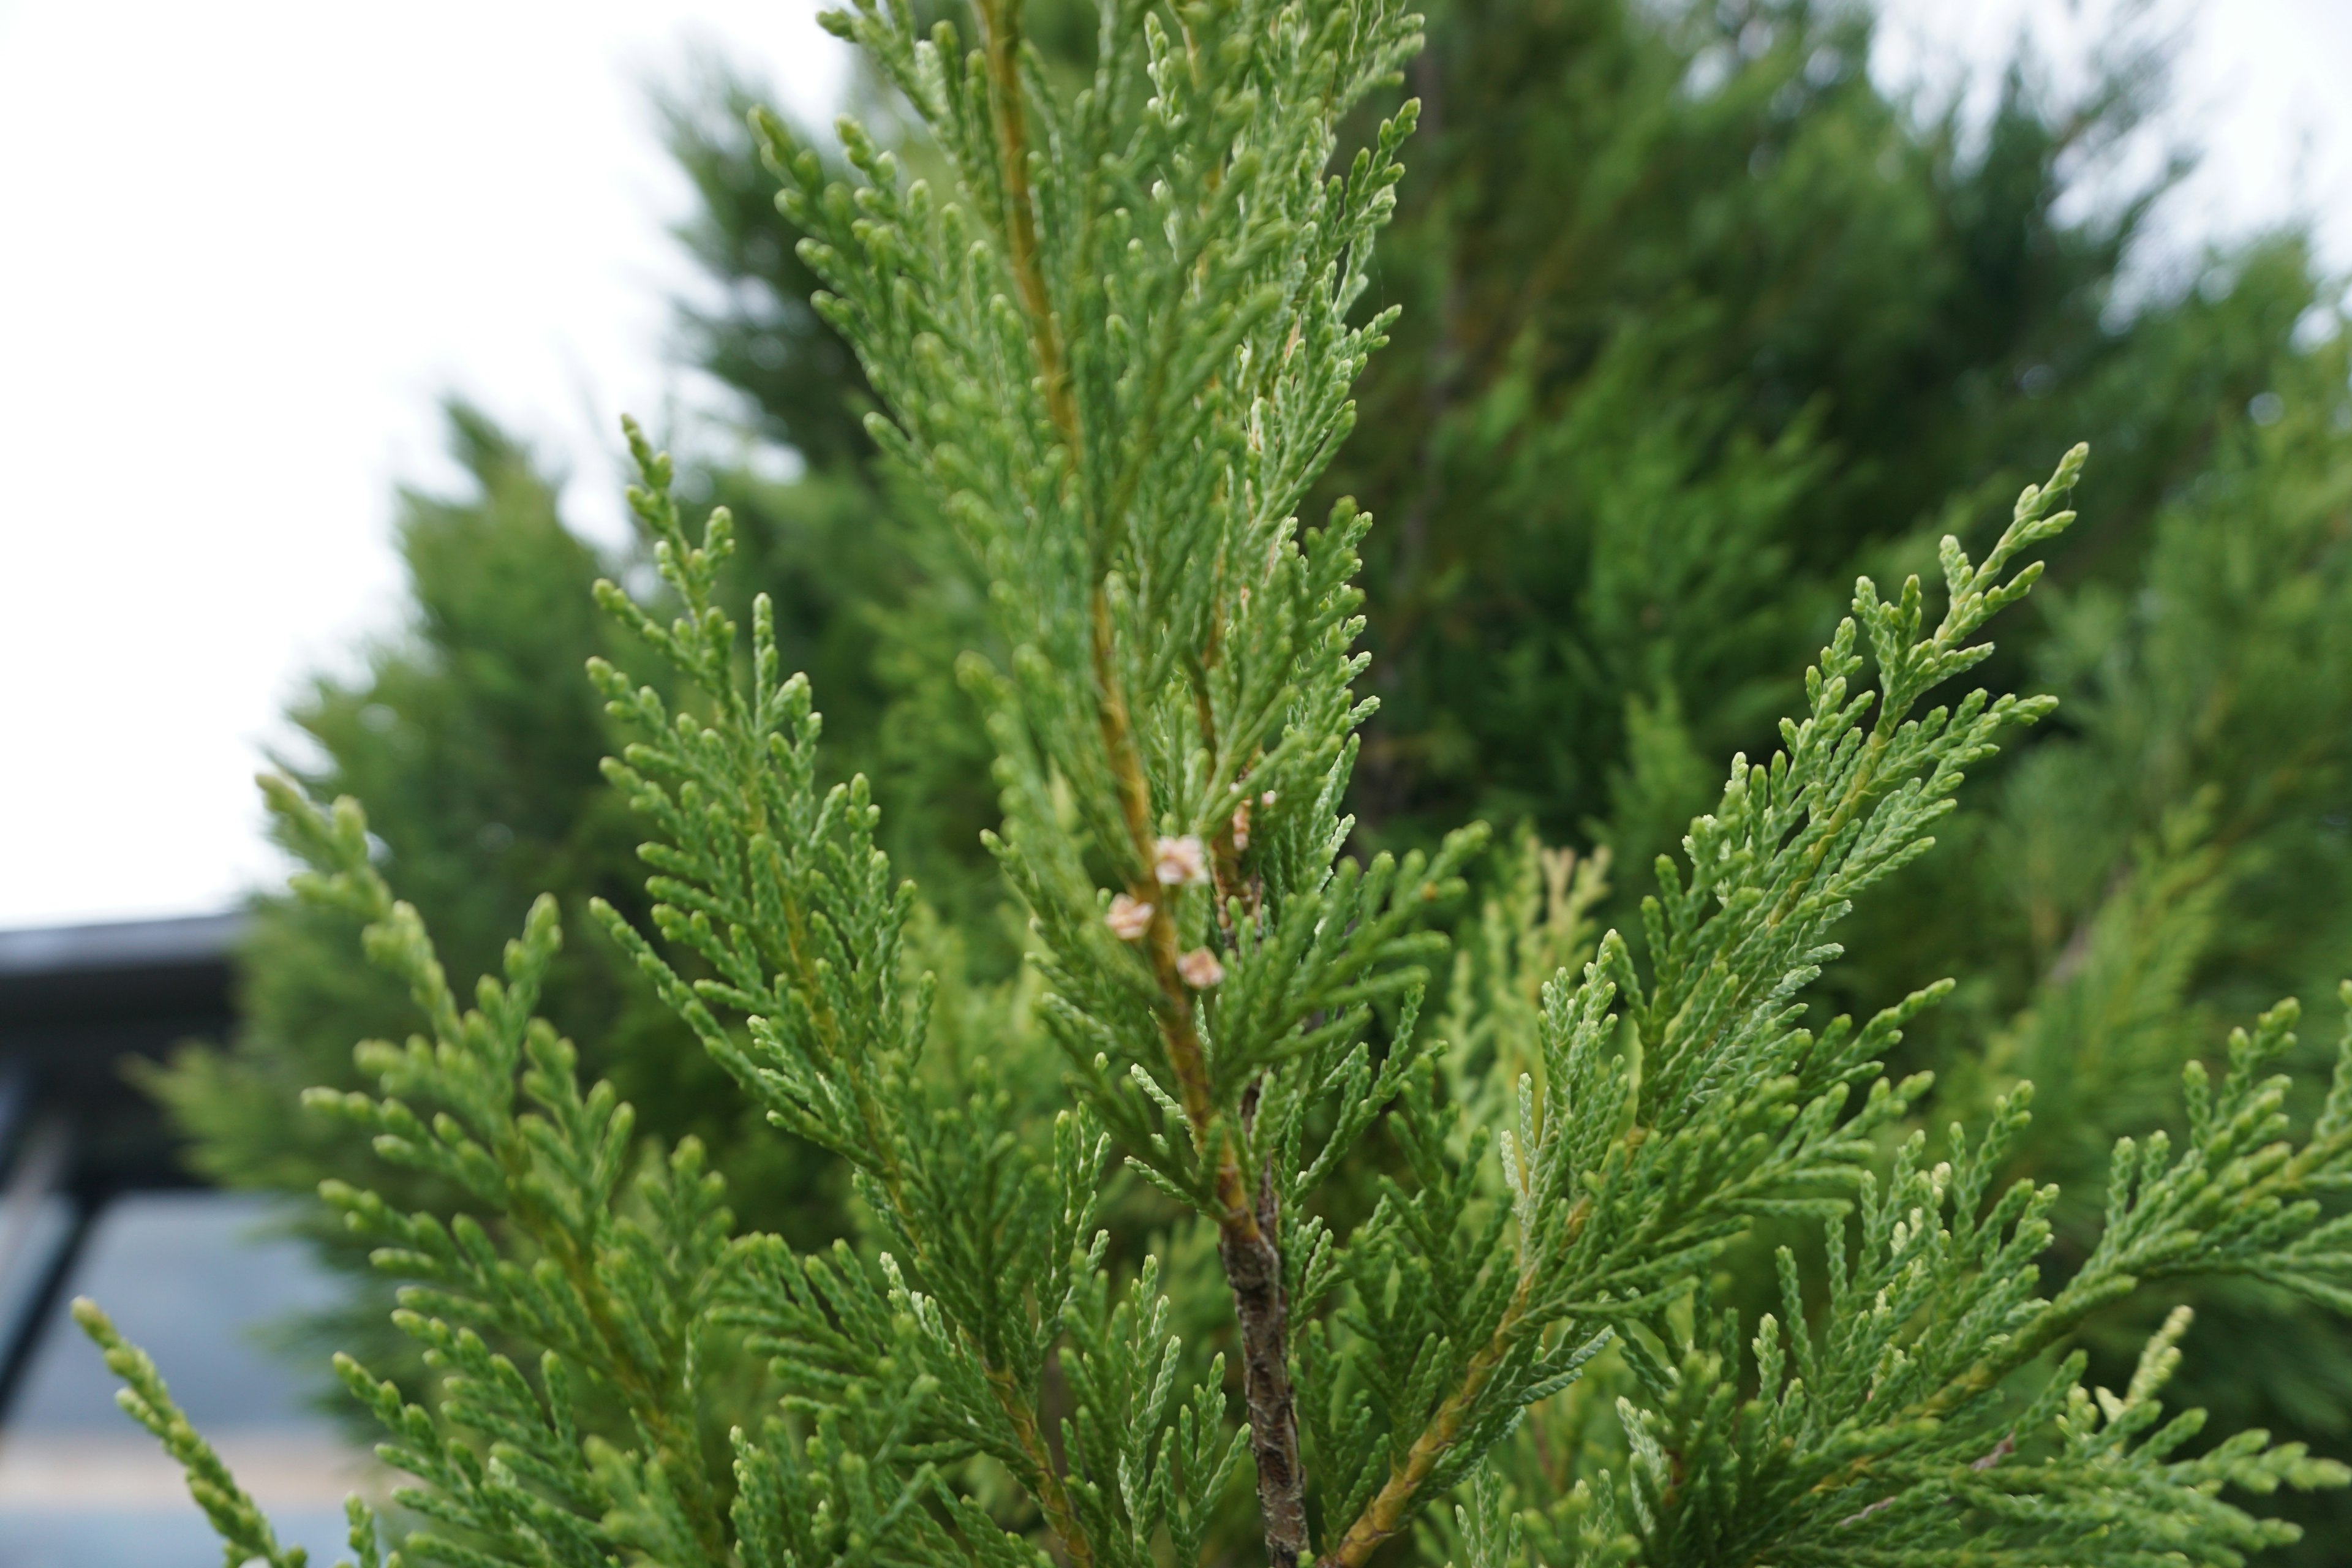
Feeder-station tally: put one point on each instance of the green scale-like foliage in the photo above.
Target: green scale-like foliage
(1700, 321)
(1114, 342)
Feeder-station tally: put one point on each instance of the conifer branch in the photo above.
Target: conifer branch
(1391, 1508)
(1113, 338)
(1791, 845)
(1249, 1245)
(244, 1529)
(845, 1110)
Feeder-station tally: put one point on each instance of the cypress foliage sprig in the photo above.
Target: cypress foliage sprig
(1115, 344)
(244, 1529)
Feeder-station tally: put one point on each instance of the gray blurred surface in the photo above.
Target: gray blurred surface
(196, 1279)
(193, 1279)
(59, 1538)
(33, 1235)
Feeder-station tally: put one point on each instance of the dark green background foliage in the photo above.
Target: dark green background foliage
(1698, 324)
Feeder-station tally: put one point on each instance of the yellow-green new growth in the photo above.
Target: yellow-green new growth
(244, 1529)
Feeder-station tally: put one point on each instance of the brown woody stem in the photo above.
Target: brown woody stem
(1247, 1229)
(1248, 1226)
(1391, 1507)
(1000, 25)
(1249, 1244)
(1043, 1481)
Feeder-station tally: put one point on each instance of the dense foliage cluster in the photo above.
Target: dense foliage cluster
(1698, 325)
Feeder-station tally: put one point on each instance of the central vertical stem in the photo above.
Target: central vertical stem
(999, 23)
(1248, 1244)
(1248, 1224)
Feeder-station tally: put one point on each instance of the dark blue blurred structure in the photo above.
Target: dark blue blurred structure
(77, 1003)
(93, 1201)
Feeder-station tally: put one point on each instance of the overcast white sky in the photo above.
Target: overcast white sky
(245, 246)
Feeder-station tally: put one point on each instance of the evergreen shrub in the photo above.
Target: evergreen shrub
(1627, 1258)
